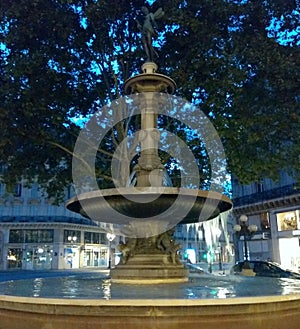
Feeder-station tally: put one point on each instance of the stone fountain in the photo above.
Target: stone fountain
(150, 253)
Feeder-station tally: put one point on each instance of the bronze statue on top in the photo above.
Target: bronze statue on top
(148, 29)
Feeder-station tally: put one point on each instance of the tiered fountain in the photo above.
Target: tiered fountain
(150, 254)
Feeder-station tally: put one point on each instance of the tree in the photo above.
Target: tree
(64, 59)
(245, 80)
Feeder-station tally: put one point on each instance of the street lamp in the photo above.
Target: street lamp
(247, 231)
(71, 256)
(110, 238)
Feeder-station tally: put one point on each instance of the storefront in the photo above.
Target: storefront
(37, 257)
(95, 256)
(53, 248)
(288, 224)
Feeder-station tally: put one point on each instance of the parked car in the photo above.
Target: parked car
(265, 268)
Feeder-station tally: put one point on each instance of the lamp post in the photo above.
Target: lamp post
(110, 238)
(71, 240)
(220, 249)
(218, 234)
(247, 231)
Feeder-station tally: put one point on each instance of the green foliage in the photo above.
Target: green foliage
(248, 84)
(62, 59)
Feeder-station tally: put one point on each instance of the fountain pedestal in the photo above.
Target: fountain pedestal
(150, 260)
(147, 269)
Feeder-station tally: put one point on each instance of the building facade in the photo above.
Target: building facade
(35, 234)
(275, 209)
(209, 243)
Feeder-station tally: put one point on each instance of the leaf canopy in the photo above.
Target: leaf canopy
(62, 60)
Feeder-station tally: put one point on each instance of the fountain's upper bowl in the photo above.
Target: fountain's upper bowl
(124, 205)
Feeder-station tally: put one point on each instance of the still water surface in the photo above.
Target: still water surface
(98, 286)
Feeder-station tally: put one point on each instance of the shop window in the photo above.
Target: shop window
(264, 221)
(38, 257)
(14, 258)
(287, 221)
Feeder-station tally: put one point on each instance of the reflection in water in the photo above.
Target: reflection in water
(70, 288)
(224, 293)
(106, 289)
(289, 286)
(99, 286)
(37, 286)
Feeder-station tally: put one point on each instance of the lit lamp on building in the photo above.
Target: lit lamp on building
(110, 238)
(72, 239)
(247, 231)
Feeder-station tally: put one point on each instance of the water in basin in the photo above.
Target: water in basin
(98, 286)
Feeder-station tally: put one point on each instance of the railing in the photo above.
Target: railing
(266, 195)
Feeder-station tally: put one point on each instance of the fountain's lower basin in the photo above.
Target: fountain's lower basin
(135, 307)
(247, 313)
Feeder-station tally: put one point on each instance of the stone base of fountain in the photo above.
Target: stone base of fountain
(233, 313)
(149, 269)
(150, 260)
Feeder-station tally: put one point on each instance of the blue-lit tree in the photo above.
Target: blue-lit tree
(61, 60)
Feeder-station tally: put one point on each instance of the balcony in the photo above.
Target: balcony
(280, 192)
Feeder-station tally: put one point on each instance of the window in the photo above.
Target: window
(95, 238)
(264, 221)
(87, 237)
(2, 189)
(16, 236)
(34, 191)
(102, 238)
(46, 236)
(287, 221)
(18, 190)
(31, 236)
(72, 236)
(259, 187)
(14, 258)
